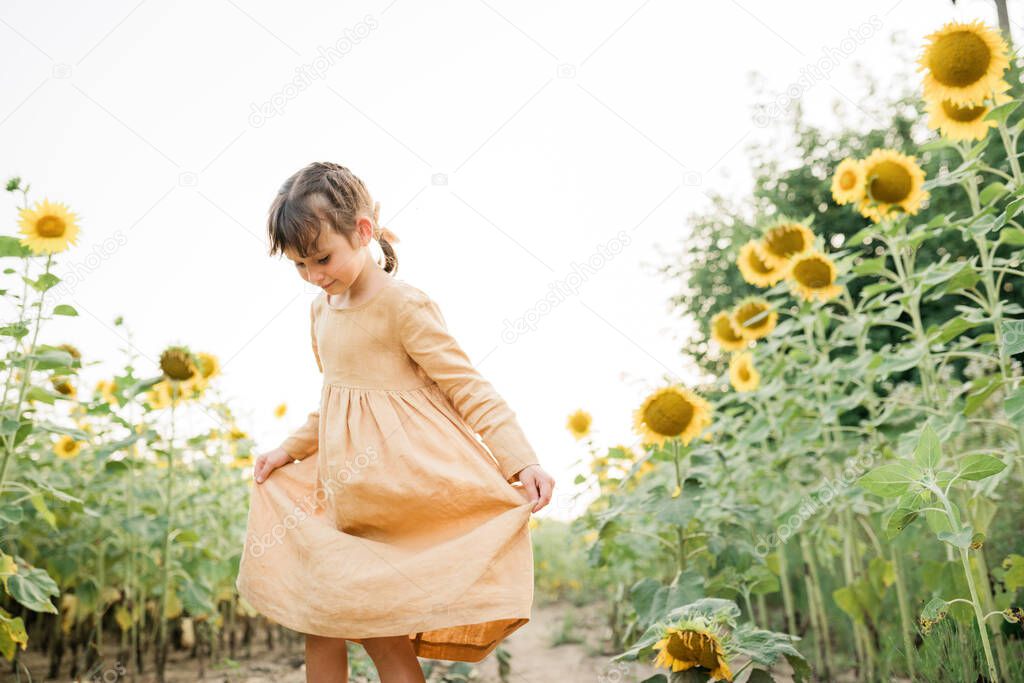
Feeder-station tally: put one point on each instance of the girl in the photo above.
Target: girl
(397, 528)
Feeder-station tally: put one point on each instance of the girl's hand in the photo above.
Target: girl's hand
(537, 485)
(268, 462)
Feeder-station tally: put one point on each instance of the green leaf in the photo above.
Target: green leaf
(934, 610)
(1014, 577)
(1001, 113)
(890, 480)
(928, 451)
(64, 309)
(959, 539)
(950, 329)
(1013, 336)
(32, 587)
(46, 281)
(40, 505)
(1014, 405)
(1012, 234)
(977, 467)
(17, 330)
(992, 191)
(12, 246)
(964, 278)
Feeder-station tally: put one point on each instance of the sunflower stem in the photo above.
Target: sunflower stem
(1011, 152)
(993, 674)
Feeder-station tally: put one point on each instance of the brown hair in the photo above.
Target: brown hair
(321, 193)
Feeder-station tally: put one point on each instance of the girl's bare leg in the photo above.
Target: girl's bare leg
(326, 659)
(395, 659)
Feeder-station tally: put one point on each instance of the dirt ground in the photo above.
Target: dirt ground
(562, 643)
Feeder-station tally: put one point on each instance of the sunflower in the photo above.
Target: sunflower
(240, 462)
(848, 181)
(724, 332)
(178, 363)
(280, 410)
(783, 240)
(814, 277)
(671, 412)
(754, 318)
(742, 374)
(754, 269)
(963, 62)
(105, 389)
(72, 349)
(964, 122)
(579, 424)
(63, 385)
(693, 644)
(237, 434)
(208, 364)
(893, 181)
(49, 227)
(66, 447)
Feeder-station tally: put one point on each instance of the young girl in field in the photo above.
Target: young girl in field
(396, 528)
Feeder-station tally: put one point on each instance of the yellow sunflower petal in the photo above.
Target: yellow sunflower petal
(48, 227)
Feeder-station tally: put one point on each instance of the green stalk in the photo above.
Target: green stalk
(8, 442)
(161, 634)
(979, 616)
(819, 598)
(787, 595)
(905, 621)
(679, 531)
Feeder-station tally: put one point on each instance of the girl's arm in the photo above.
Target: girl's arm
(426, 339)
(304, 441)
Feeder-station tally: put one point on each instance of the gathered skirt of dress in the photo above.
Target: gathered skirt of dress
(400, 524)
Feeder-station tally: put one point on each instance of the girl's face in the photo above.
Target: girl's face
(334, 264)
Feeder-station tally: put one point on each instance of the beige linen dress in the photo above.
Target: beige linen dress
(396, 519)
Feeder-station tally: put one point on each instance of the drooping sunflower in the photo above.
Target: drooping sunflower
(742, 374)
(814, 277)
(63, 385)
(783, 239)
(178, 363)
(754, 318)
(671, 412)
(964, 122)
(692, 644)
(848, 181)
(963, 62)
(724, 332)
(578, 424)
(893, 182)
(755, 270)
(67, 447)
(49, 227)
(280, 410)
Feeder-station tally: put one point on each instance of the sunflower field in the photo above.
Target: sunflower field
(842, 499)
(117, 518)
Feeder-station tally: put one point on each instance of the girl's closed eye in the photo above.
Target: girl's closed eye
(324, 260)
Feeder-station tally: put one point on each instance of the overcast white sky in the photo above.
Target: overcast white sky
(517, 149)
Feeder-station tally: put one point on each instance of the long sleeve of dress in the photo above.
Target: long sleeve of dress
(304, 441)
(425, 337)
